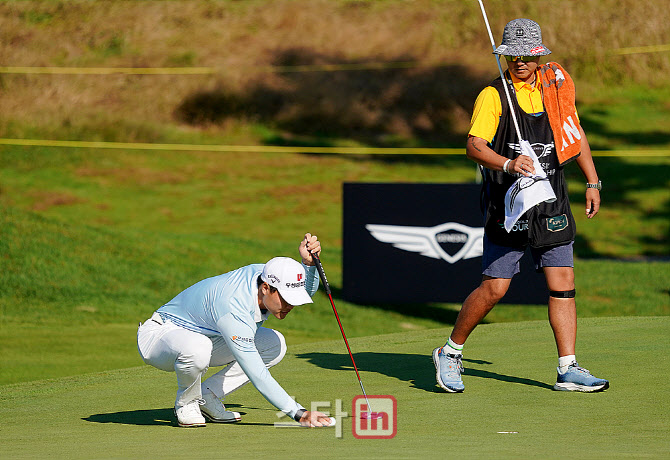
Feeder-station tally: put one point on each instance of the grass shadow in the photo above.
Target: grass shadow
(506, 378)
(142, 417)
(152, 417)
(385, 106)
(430, 311)
(623, 182)
(591, 124)
(417, 369)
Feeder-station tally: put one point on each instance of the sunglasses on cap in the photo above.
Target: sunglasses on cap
(522, 58)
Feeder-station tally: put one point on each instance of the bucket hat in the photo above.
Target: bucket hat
(522, 37)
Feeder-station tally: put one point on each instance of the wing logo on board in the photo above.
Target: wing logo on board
(450, 241)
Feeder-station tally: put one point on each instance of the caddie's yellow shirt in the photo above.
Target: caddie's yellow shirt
(487, 111)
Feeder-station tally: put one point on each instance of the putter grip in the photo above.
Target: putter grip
(322, 274)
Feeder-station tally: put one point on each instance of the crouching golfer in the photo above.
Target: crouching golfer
(218, 322)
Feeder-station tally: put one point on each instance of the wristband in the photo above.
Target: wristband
(505, 166)
(298, 414)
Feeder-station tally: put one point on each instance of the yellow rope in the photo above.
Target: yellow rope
(41, 70)
(291, 149)
(207, 70)
(642, 49)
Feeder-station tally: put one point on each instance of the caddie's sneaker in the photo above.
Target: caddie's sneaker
(449, 368)
(215, 411)
(579, 379)
(189, 415)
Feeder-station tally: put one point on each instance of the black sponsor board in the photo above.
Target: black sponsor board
(408, 243)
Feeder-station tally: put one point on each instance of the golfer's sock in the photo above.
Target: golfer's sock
(452, 348)
(564, 362)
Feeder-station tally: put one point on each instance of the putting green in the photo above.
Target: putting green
(507, 410)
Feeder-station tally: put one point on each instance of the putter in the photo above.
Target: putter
(369, 414)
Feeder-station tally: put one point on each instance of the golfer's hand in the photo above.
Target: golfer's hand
(592, 202)
(313, 419)
(310, 244)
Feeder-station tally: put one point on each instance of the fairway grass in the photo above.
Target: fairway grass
(510, 368)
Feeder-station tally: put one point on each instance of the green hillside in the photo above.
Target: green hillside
(389, 73)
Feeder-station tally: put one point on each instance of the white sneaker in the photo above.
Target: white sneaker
(190, 415)
(215, 411)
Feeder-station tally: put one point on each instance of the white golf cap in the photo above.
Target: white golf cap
(288, 276)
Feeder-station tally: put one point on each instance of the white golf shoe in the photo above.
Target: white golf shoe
(190, 415)
(215, 411)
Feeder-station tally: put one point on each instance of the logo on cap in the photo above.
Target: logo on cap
(296, 285)
(299, 276)
(537, 49)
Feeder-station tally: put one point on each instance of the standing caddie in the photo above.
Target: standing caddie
(543, 98)
(218, 322)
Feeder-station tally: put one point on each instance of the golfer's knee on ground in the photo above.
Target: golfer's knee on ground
(194, 356)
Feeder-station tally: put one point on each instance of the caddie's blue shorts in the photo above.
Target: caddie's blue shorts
(503, 262)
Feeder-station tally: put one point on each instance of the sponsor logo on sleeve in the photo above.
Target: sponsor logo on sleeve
(237, 338)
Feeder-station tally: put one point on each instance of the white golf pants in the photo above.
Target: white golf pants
(189, 354)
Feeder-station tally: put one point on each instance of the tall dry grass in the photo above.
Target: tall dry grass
(241, 39)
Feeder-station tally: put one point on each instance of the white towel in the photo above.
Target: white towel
(527, 191)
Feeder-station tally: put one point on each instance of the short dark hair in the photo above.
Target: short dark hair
(259, 282)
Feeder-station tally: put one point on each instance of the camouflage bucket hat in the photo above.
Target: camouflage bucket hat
(522, 37)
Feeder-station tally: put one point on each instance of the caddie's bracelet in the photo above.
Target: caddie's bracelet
(298, 414)
(505, 166)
